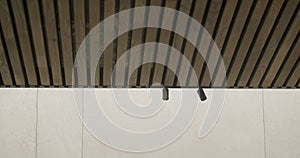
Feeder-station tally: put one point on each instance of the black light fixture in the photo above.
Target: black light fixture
(165, 93)
(201, 94)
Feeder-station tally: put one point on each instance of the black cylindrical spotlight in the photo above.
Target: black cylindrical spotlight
(165, 93)
(201, 94)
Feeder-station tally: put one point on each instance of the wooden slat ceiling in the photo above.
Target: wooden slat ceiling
(258, 39)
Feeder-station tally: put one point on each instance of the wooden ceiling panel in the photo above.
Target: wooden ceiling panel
(259, 42)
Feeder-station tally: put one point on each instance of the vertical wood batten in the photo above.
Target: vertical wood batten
(211, 24)
(87, 43)
(253, 42)
(150, 37)
(152, 77)
(122, 44)
(164, 37)
(273, 43)
(287, 67)
(245, 41)
(187, 55)
(4, 66)
(59, 42)
(8, 37)
(94, 19)
(23, 36)
(222, 32)
(79, 22)
(292, 36)
(178, 43)
(198, 57)
(190, 50)
(115, 41)
(294, 75)
(260, 41)
(52, 41)
(166, 80)
(129, 42)
(101, 60)
(238, 24)
(143, 40)
(137, 35)
(38, 40)
(201, 56)
(66, 39)
(109, 6)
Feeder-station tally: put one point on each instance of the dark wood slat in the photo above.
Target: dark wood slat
(122, 42)
(241, 51)
(94, 19)
(273, 43)
(185, 7)
(210, 12)
(158, 70)
(10, 41)
(150, 37)
(79, 21)
(66, 39)
(108, 52)
(222, 31)
(295, 76)
(38, 40)
(235, 33)
(168, 74)
(260, 40)
(225, 22)
(189, 8)
(190, 52)
(50, 25)
(136, 39)
(210, 25)
(199, 10)
(282, 52)
(259, 43)
(122, 48)
(164, 38)
(4, 68)
(288, 65)
(19, 16)
(212, 16)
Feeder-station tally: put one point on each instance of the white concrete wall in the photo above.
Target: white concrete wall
(255, 123)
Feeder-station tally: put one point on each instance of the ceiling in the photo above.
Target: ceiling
(258, 40)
